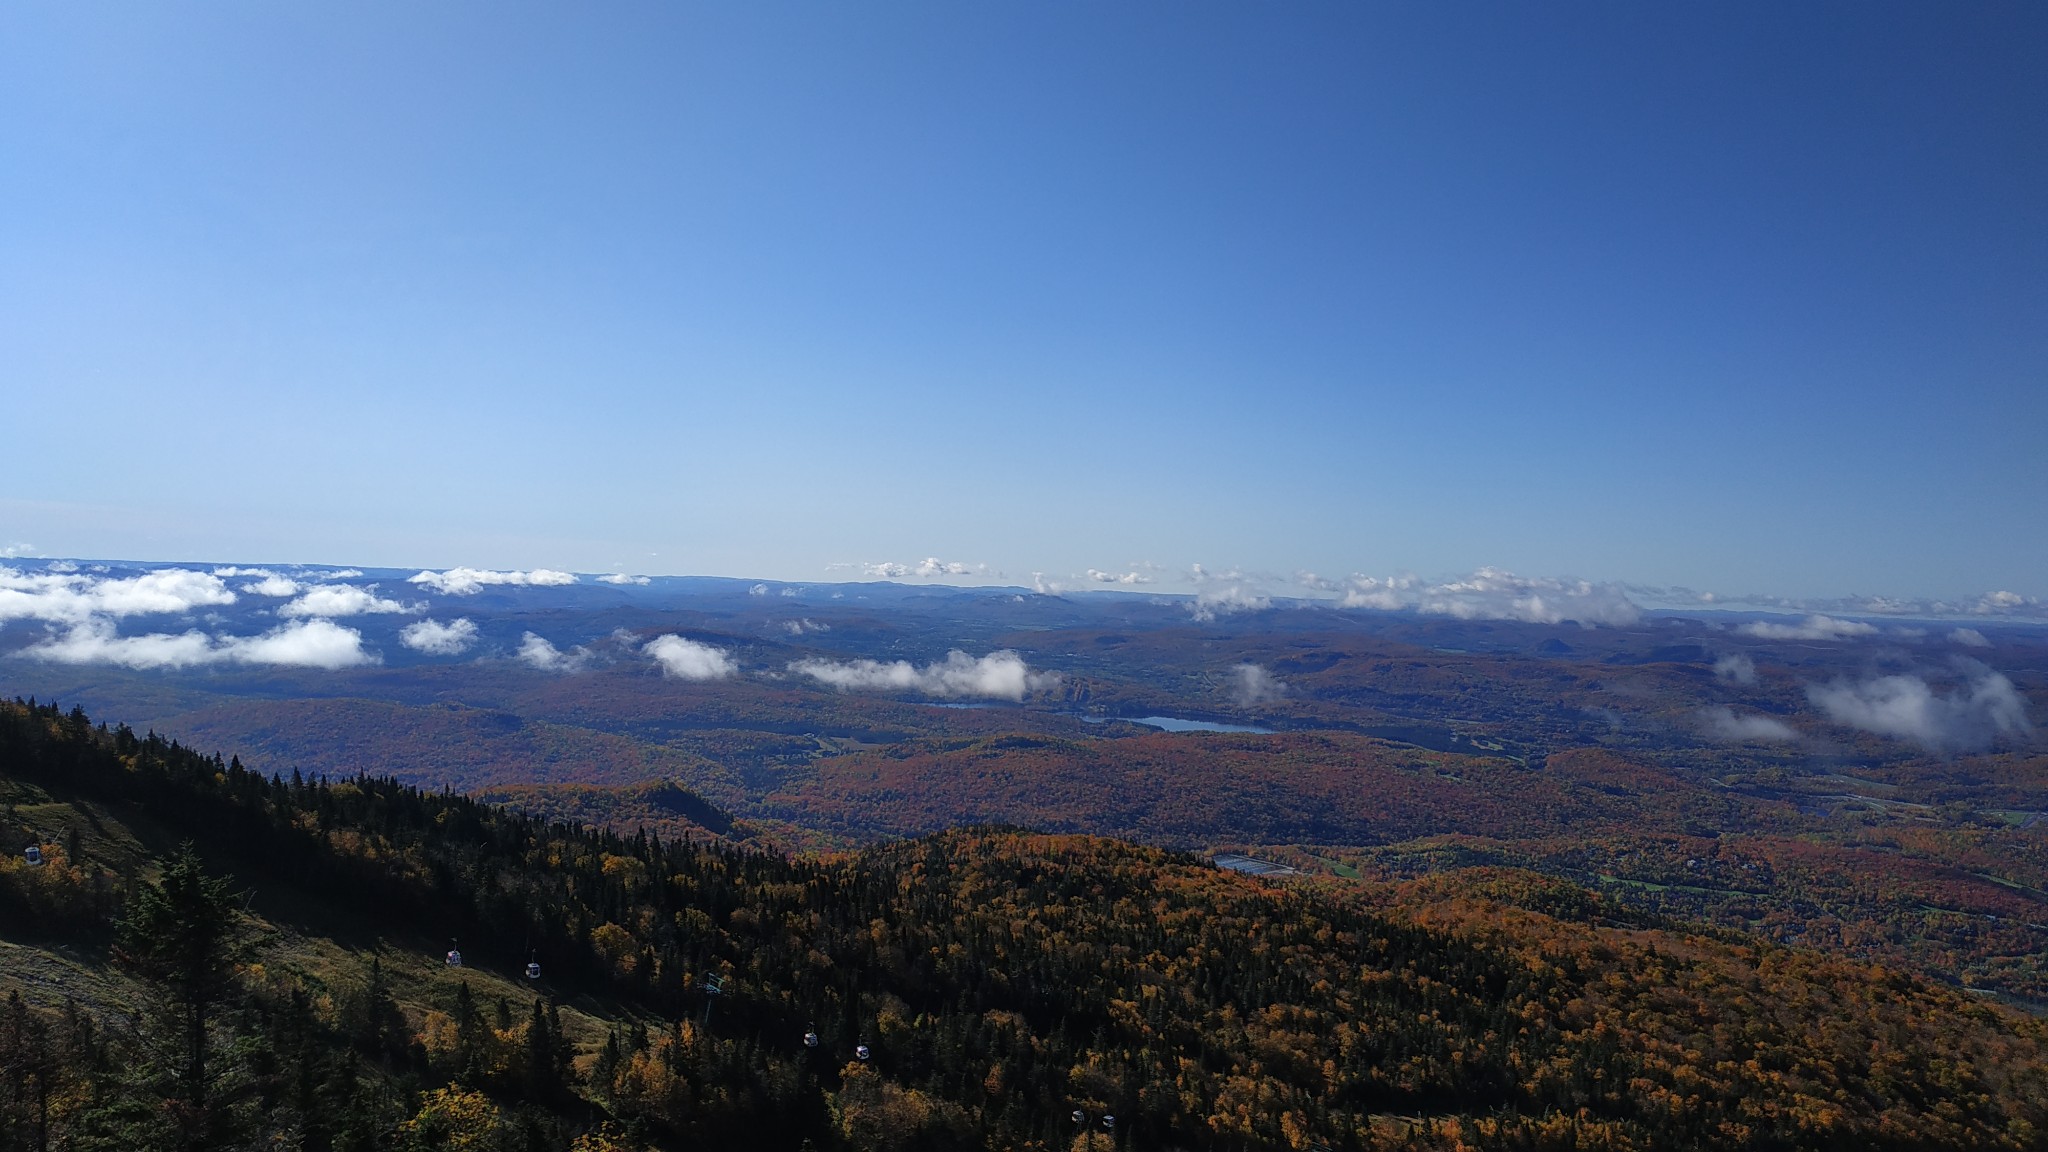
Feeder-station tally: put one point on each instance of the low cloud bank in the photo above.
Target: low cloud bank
(1253, 685)
(622, 578)
(1491, 594)
(1814, 627)
(929, 568)
(1212, 603)
(996, 676)
(1969, 638)
(343, 600)
(469, 581)
(433, 638)
(689, 659)
(1125, 578)
(307, 644)
(1725, 724)
(74, 598)
(1982, 708)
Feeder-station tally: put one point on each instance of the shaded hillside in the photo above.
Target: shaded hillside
(1000, 980)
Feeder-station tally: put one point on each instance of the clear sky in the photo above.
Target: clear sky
(1742, 297)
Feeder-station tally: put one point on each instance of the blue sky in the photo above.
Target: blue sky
(1739, 297)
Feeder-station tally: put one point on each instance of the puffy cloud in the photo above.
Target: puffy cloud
(1493, 594)
(306, 644)
(73, 598)
(929, 568)
(1814, 627)
(690, 660)
(271, 585)
(2007, 604)
(467, 581)
(1044, 587)
(799, 627)
(1982, 708)
(622, 578)
(1255, 685)
(17, 549)
(1209, 604)
(1736, 668)
(434, 638)
(1385, 595)
(231, 571)
(343, 600)
(1490, 594)
(1724, 724)
(1101, 577)
(998, 675)
(1969, 638)
(537, 652)
(758, 590)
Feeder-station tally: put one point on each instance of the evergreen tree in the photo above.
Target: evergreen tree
(184, 934)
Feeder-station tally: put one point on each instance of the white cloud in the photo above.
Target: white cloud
(1983, 707)
(1044, 587)
(1969, 638)
(467, 581)
(344, 600)
(1724, 724)
(799, 627)
(271, 585)
(17, 549)
(340, 574)
(536, 651)
(1490, 594)
(1814, 627)
(1255, 685)
(61, 566)
(2007, 604)
(1494, 594)
(1208, 605)
(998, 675)
(1736, 668)
(437, 639)
(690, 660)
(230, 572)
(1101, 577)
(622, 578)
(1385, 595)
(887, 570)
(72, 598)
(307, 644)
(758, 590)
(929, 568)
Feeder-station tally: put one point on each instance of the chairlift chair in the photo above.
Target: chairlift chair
(861, 1053)
(454, 955)
(811, 1039)
(533, 969)
(33, 854)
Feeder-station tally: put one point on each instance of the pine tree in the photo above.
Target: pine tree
(185, 934)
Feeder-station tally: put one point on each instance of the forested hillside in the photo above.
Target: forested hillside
(280, 984)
